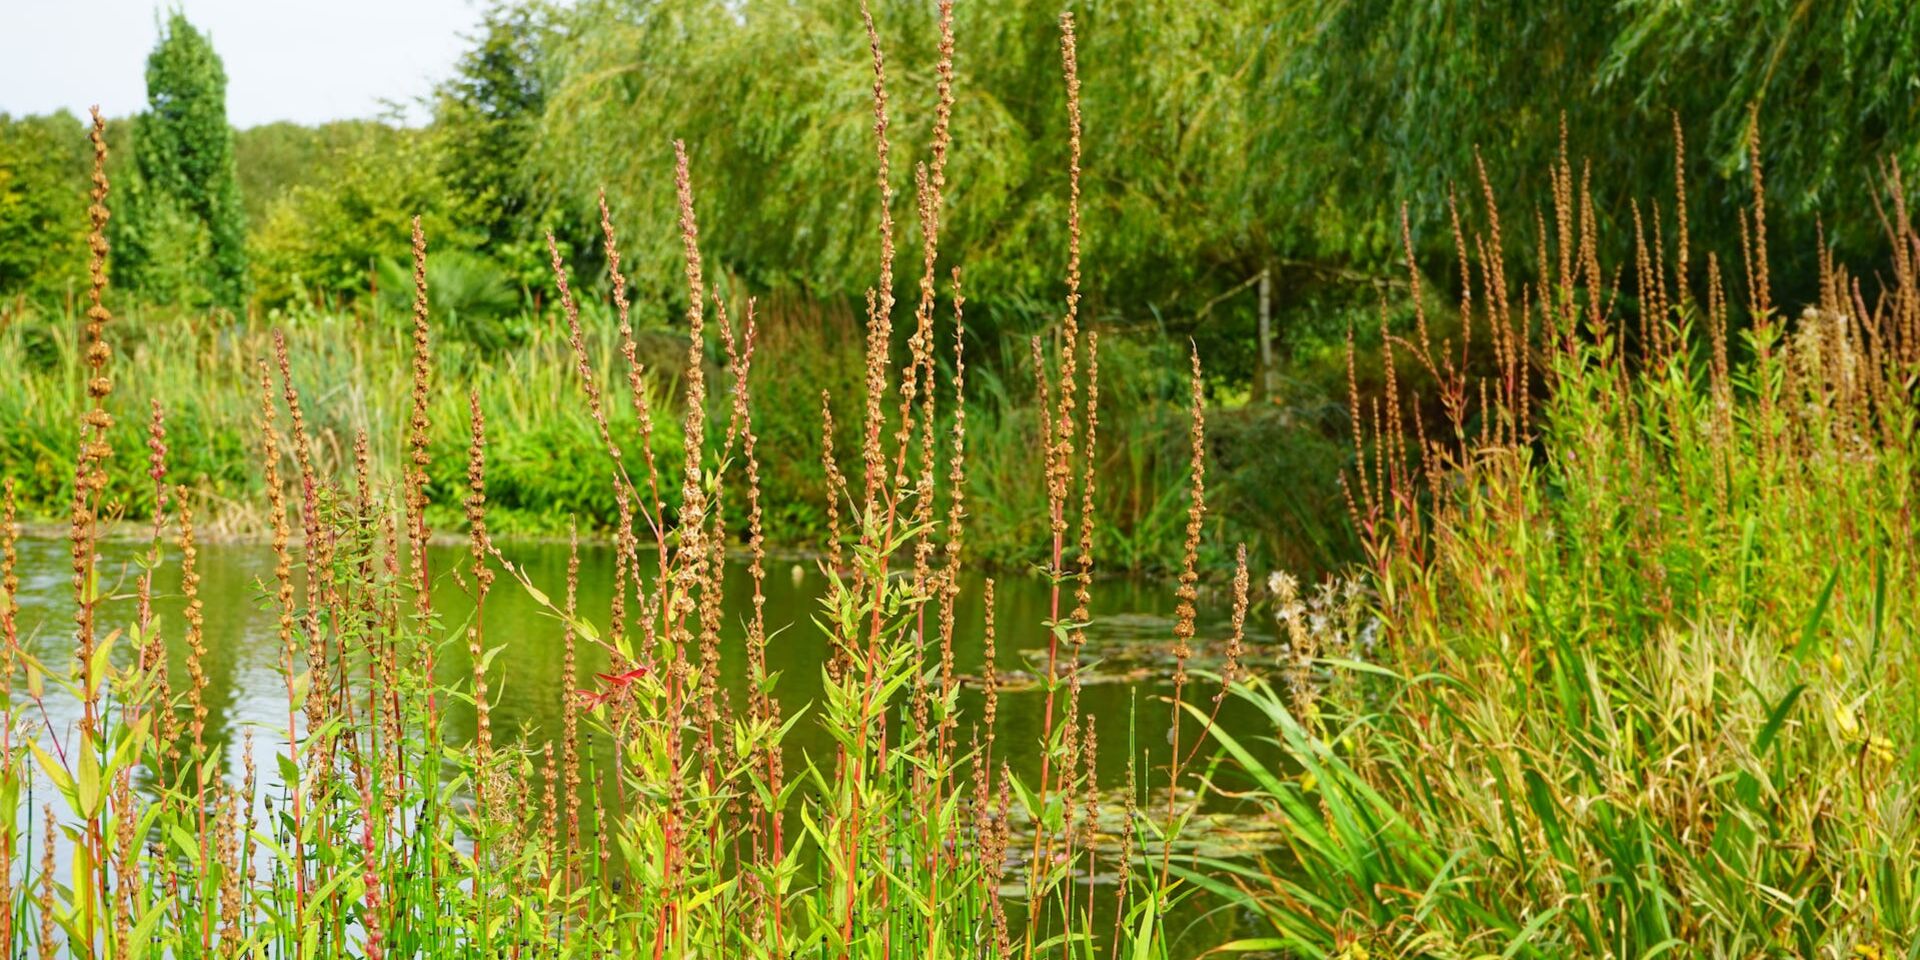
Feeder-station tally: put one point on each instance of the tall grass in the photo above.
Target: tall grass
(358, 371)
(369, 833)
(1642, 676)
(358, 364)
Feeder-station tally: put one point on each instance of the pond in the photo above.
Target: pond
(1127, 665)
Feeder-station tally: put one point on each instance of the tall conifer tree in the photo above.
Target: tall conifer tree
(186, 233)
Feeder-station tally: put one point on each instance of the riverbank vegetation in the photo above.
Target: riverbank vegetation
(1231, 142)
(1619, 667)
(1645, 681)
(666, 819)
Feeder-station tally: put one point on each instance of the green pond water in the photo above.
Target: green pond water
(1127, 664)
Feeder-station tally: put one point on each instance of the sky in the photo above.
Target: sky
(308, 61)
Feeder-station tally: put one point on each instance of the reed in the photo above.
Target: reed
(668, 820)
(9, 662)
(1623, 675)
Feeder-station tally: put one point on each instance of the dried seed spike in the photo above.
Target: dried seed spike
(1090, 809)
(1049, 450)
(1235, 648)
(1363, 520)
(919, 344)
(943, 111)
(1062, 466)
(1495, 265)
(1187, 593)
(126, 862)
(997, 865)
(153, 653)
(1563, 221)
(617, 603)
(1680, 205)
(691, 574)
(956, 508)
(1457, 373)
(1413, 285)
(1762, 284)
(549, 805)
(989, 677)
(313, 546)
(636, 386)
(882, 148)
(89, 473)
(576, 340)
(957, 457)
(418, 427)
(836, 484)
(880, 300)
(270, 455)
(1393, 443)
(1589, 254)
(1643, 279)
(1123, 884)
(569, 705)
(693, 493)
(749, 450)
(49, 947)
(196, 633)
(9, 589)
(1070, 65)
(477, 548)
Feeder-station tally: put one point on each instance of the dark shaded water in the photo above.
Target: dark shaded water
(1127, 643)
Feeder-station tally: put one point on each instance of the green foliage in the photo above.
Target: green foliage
(1637, 683)
(789, 166)
(205, 373)
(1389, 99)
(324, 241)
(274, 158)
(43, 205)
(487, 122)
(185, 234)
(471, 297)
(1272, 479)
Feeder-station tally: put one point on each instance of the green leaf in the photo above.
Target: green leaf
(1812, 626)
(1776, 717)
(55, 771)
(1254, 945)
(141, 939)
(87, 794)
(97, 667)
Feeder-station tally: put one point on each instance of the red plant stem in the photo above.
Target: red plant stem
(866, 723)
(1046, 736)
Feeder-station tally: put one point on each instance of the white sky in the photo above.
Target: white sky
(303, 60)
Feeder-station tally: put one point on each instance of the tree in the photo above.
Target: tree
(487, 122)
(185, 233)
(43, 204)
(1393, 98)
(783, 159)
(325, 239)
(274, 158)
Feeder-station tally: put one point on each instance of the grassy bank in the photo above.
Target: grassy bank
(1274, 484)
(1645, 679)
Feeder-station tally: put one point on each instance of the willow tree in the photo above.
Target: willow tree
(1394, 97)
(774, 100)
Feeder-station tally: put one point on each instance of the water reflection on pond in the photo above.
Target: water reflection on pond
(1126, 666)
